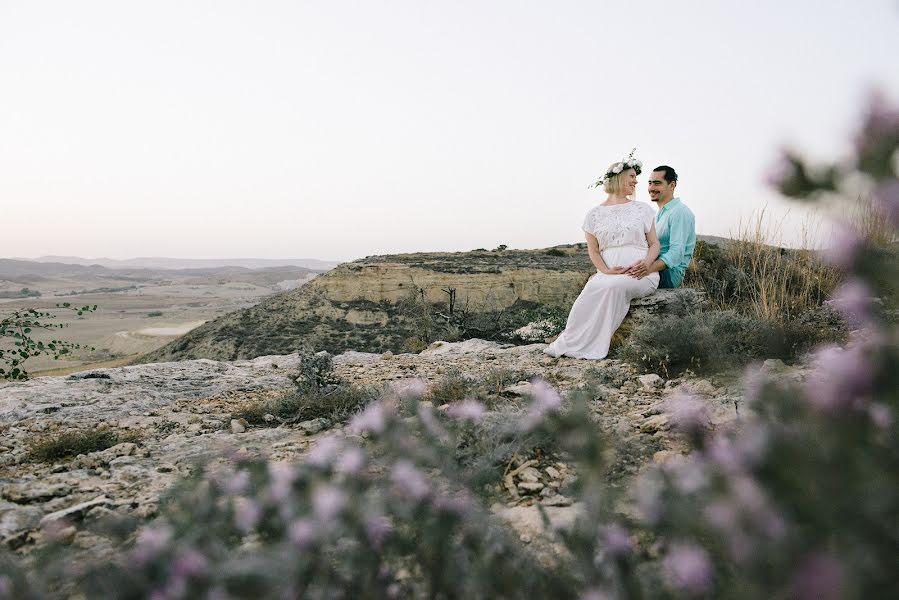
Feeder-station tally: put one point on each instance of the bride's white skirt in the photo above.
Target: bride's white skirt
(602, 306)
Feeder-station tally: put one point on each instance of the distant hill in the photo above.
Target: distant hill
(187, 263)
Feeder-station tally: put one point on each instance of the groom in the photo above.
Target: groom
(676, 228)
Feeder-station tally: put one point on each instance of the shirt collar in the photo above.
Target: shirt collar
(670, 203)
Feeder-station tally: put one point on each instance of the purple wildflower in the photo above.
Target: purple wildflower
(844, 247)
(432, 425)
(150, 542)
(819, 577)
(281, 478)
(190, 563)
(615, 540)
(302, 533)
(377, 528)
(722, 516)
(687, 413)
(371, 420)
(688, 473)
(328, 501)
(416, 387)
(880, 415)
(409, 481)
(350, 461)
(649, 497)
(853, 300)
(236, 482)
(546, 397)
(467, 410)
(687, 567)
(323, 453)
(595, 595)
(840, 378)
(246, 514)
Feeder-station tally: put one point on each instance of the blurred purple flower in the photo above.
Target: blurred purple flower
(377, 528)
(687, 567)
(432, 425)
(409, 481)
(190, 563)
(453, 504)
(881, 415)
(218, 593)
(371, 420)
(722, 515)
(323, 453)
(595, 595)
(467, 410)
(839, 380)
(6, 586)
(546, 397)
(237, 482)
(648, 491)
(328, 501)
(246, 514)
(281, 478)
(687, 413)
(782, 170)
(350, 461)
(302, 533)
(819, 577)
(844, 246)
(754, 380)
(853, 300)
(615, 540)
(150, 542)
(394, 590)
(416, 387)
(687, 472)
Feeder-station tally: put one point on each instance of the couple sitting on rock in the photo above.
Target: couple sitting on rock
(634, 249)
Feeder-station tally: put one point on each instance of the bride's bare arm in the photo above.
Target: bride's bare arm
(596, 256)
(644, 267)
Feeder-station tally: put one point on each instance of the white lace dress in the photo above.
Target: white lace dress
(621, 231)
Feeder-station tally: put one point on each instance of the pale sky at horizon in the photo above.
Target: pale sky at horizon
(336, 130)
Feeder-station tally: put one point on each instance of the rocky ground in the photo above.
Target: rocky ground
(173, 414)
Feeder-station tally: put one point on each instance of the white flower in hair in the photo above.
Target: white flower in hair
(618, 168)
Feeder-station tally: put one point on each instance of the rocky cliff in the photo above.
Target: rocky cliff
(397, 303)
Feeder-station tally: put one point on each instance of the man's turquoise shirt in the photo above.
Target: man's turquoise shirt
(676, 228)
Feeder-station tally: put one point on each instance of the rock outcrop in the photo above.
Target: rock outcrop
(400, 302)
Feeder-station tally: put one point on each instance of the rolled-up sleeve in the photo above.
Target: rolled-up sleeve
(680, 227)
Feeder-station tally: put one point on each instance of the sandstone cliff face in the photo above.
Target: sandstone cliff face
(383, 303)
(370, 304)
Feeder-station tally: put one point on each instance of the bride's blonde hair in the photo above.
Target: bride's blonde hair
(614, 185)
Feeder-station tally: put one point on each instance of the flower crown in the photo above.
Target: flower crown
(628, 163)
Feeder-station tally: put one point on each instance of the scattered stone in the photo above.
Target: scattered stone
(773, 365)
(74, 512)
(655, 424)
(553, 472)
(557, 500)
(313, 426)
(525, 486)
(387, 355)
(238, 425)
(651, 382)
(663, 456)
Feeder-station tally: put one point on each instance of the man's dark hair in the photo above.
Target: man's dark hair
(670, 174)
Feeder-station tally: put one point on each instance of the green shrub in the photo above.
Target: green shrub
(713, 340)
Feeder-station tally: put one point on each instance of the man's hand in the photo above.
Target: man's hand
(638, 270)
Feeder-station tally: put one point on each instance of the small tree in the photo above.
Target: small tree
(17, 328)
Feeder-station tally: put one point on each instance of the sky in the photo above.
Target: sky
(336, 130)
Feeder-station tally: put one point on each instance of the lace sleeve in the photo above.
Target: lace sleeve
(589, 225)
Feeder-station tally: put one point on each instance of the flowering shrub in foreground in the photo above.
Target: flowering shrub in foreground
(800, 499)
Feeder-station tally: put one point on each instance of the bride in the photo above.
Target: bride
(622, 243)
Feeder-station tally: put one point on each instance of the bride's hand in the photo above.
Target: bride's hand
(614, 270)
